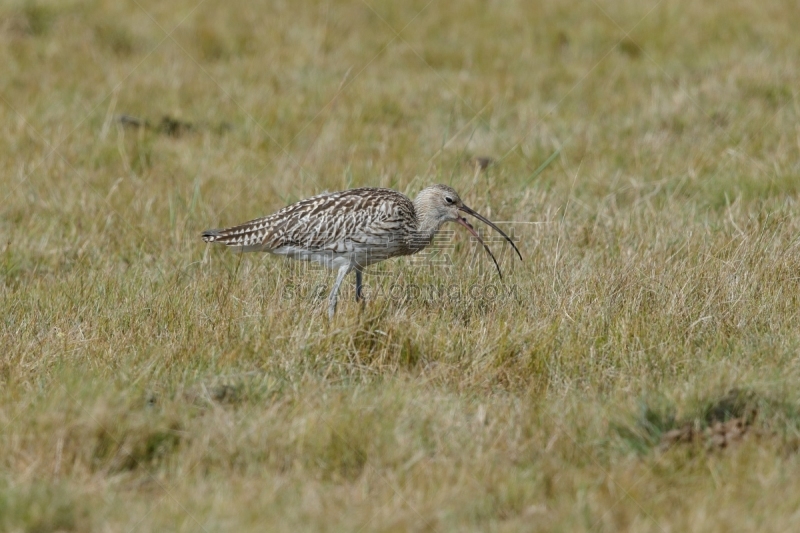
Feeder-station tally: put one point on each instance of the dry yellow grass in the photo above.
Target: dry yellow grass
(149, 383)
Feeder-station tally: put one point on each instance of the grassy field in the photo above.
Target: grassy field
(638, 371)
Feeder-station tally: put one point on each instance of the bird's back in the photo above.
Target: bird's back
(381, 221)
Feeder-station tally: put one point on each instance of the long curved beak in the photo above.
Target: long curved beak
(491, 224)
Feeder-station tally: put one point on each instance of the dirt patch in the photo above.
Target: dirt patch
(714, 424)
(727, 421)
(170, 126)
(719, 436)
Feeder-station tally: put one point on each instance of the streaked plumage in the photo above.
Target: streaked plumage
(352, 229)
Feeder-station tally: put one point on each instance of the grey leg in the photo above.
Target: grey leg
(335, 292)
(359, 293)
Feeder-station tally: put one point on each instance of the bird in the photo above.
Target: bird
(352, 229)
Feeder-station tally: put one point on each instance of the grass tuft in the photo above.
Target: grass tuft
(40, 508)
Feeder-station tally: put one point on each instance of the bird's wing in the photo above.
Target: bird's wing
(327, 222)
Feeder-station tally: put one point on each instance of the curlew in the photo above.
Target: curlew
(350, 230)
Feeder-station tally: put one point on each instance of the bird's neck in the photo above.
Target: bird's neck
(427, 224)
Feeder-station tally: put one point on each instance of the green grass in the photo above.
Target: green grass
(151, 383)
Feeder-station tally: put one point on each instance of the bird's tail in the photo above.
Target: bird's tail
(248, 237)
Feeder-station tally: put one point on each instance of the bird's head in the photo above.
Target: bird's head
(438, 204)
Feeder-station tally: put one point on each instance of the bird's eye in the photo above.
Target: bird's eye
(448, 199)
